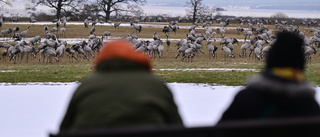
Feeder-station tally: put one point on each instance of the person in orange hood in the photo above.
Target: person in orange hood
(121, 92)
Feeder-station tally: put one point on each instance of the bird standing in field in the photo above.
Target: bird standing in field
(15, 29)
(25, 32)
(137, 28)
(46, 28)
(93, 29)
(106, 34)
(117, 25)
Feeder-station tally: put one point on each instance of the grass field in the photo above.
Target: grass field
(67, 71)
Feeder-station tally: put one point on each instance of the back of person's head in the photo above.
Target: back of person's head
(124, 50)
(287, 51)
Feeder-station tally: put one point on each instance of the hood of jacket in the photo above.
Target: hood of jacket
(123, 50)
(271, 84)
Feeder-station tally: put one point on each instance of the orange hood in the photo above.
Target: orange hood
(122, 49)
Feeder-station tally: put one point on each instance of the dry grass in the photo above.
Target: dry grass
(63, 71)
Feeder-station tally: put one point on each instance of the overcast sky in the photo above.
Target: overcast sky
(19, 5)
(266, 4)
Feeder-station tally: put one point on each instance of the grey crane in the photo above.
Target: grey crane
(160, 50)
(308, 51)
(17, 37)
(97, 44)
(155, 36)
(221, 31)
(257, 52)
(51, 43)
(239, 29)
(15, 29)
(265, 51)
(78, 48)
(13, 51)
(192, 32)
(71, 52)
(33, 19)
(51, 54)
(28, 50)
(93, 29)
(230, 46)
(209, 33)
(60, 49)
(224, 24)
(168, 42)
(92, 36)
(86, 23)
(1, 21)
(243, 49)
(6, 32)
(227, 53)
(137, 28)
(106, 34)
(141, 47)
(50, 36)
(54, 30)
(258, 44)
(25, 32)
(314, 40)
(87, 49)
(227, 40)
(170, 28)
(154, 47)
(117, 25)
(63, 32)
(193, 27)
(212, 49)
(182, 47)
(46, 28)
(247, 34)
(190, 53)
(191, 37)
(4, 53)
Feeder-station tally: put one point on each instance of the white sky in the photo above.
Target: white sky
(167, 8)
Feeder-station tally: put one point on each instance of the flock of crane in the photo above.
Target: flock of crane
(257, 39)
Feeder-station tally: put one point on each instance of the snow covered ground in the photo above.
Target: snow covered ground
(36, 109)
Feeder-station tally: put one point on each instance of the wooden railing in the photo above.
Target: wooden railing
(286, 127)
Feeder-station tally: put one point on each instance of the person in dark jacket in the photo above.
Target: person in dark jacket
(122, 92)
(280, 91)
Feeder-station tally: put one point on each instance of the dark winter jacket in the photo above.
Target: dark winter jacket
(269, 96)
(121, 93)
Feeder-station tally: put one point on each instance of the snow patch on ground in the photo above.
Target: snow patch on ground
(36, 109)
(209, 69)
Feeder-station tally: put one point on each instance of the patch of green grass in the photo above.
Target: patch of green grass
(45, 73)
(231, 78)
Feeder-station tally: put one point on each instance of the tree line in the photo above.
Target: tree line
(103, 9)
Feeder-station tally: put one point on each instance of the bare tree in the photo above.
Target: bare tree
(6, 2)
(89, 9)
(197, 9)
(279, 15)
(194, 8)
(66, 6)
(110, 6)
